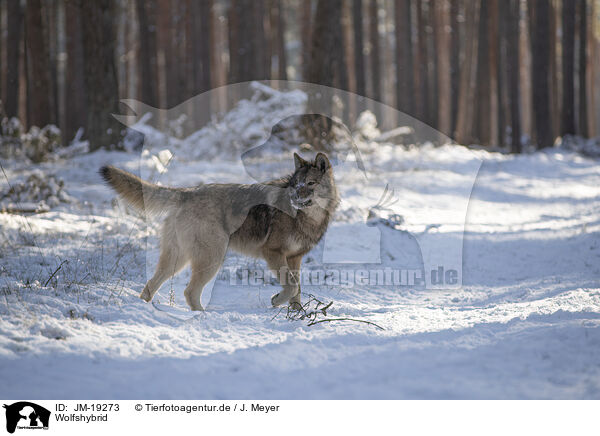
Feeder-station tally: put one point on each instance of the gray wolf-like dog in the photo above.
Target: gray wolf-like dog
(280, 221)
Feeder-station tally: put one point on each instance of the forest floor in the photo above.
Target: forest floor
(524, 324)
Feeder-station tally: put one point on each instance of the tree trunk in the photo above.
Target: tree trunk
(583, 95)
(233, 24)
(305, 36)
(404, 57)
(75, 108)
(503, 102)
(568, 65)
(493, 58)
(432, 66)
(540, 71)
(324, 61)
(348, 41)
(555, 86)
(103, 130)
(178, 36)
(482, 100)
(341, 67)
(592, 57)
(146, 13)
(249, 37)
(464, 126)
(444, 45)
(454, 60)
(49, 24)
(2, 67)
(13, 39)
(39, 66)
(323, 50)
(167, 48)
(359, 57)
(525, 60)
(375, 57)
(281, 52)
(512, 34)
(422, 109)
(259, 41)
(201, 49)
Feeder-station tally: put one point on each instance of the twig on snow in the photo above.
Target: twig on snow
(55, 271)
(300, 312)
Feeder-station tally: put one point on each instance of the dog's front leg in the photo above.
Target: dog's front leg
(294, 263)
(278, 264)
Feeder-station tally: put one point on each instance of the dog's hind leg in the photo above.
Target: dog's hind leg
(171, 261)
(205, 264)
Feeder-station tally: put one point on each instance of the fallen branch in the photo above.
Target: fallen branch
(300, 312)
(345, 319)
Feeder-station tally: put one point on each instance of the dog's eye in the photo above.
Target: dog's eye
(311, 183)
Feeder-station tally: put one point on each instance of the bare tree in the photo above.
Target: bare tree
(200, 14)
(444, 45)
(102, 90)
(583, 62)
(482, 97)
(324, 61)
(305, 35)
(455, 59)
(359, 57)
(375, 57)
(13, 38)
(593, 70)
(248, 41)
(146, 13)
(422, 59)
(432, 63)
(493, 48)
(324, 51)
(341, 67)
(233, 37)
(503, 102)
(512, 46)
(555, 85)
(568, 67)
(463, 132)
(39, 66)
(539, 11)
(75, 108)
(404, 57)
(50, 25)
(280, 40)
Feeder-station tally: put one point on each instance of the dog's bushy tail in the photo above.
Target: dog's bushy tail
(143, 196)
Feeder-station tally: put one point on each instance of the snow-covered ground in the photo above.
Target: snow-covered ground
(524, 324)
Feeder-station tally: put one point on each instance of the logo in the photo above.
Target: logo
(26, 415)
(398, 222)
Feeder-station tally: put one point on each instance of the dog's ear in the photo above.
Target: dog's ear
(298, 161)
(321, 162)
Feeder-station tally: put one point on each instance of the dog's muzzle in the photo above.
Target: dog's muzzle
(300, 203)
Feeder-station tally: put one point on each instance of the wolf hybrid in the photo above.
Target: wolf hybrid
(279, 220)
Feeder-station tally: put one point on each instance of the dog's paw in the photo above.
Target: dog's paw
(277, 300)
(295, 305)
(145, 295)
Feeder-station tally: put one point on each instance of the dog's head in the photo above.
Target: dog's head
(312, 183)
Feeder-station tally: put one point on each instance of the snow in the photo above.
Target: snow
(523, 321)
